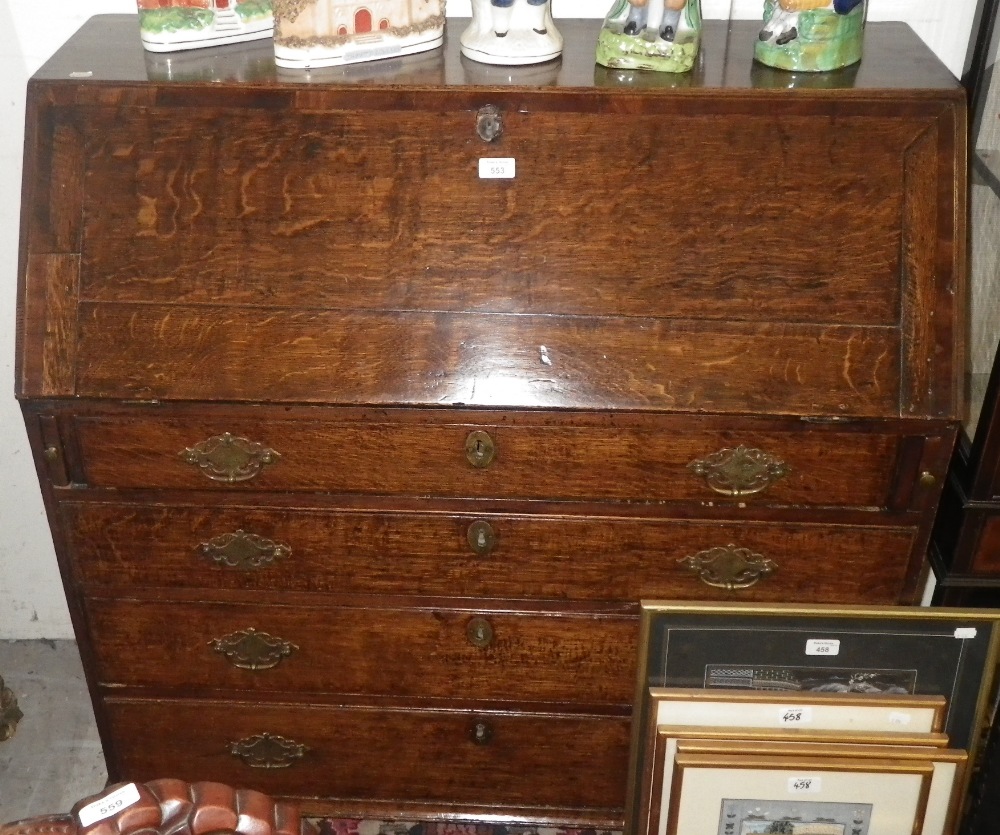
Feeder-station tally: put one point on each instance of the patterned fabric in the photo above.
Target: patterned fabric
(345, 826)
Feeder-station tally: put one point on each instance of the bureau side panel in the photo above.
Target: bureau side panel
(51, 241)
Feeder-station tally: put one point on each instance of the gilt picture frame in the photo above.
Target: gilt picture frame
(733, 716)
(734, 794)
(855, 652)
(944, 795)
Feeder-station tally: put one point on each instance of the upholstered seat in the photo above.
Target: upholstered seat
(173, 807)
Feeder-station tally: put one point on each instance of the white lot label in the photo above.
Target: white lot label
(497, 168)
(795, 716)
(805, 785)
(818, 646)
(111, 805)
(965, 633)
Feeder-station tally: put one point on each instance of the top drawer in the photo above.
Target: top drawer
(534, 456)
(751, 254)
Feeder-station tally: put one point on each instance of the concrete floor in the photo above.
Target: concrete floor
(54, 757)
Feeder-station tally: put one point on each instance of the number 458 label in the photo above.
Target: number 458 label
(497, 168)
(109, 805)
(805, 785)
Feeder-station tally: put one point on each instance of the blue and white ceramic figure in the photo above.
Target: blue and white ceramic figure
(511, 32)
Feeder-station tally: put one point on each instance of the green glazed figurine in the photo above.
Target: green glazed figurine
(811, 35)
(661, 35)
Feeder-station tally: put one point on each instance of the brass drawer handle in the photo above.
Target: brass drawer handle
(267, 751)
(243, 550)
(482, 538)
(480, 449)
(479, 632)
(229, 459)
(249, 649)
(729, 567)
(740, 472)
(489, 123)
(482, 733)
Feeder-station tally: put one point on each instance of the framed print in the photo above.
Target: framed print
(730, 794)
(860, 650)
(866, 653)
(667, 741)
(944, 794)
(819, 711)
(755, 716)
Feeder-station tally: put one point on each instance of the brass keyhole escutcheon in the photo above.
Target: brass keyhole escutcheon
(482, 733)
(482, 538)
(489, 123)
(479, 632)
(480, 449)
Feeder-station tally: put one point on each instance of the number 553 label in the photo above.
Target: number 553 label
(497, 168)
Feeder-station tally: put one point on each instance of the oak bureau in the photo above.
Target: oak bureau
(357, 464)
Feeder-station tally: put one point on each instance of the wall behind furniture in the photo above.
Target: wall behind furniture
(31, 597)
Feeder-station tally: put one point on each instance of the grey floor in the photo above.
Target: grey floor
(54, 757)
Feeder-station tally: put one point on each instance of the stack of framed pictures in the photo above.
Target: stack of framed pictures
(782, 720)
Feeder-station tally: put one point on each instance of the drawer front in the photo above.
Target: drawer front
(432, 653)
(387, 756)
(535, 458)
(263, 550)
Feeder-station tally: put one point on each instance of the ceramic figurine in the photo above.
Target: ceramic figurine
(811, 35)
(511, 32)
(326, 33)
(662, 35)
(171, 25)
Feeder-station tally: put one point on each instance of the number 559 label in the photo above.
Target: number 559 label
(497, 168)
(109, 805)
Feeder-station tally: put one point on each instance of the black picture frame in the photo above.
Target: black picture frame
(938, 651)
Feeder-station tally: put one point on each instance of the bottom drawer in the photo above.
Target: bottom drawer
(357, 760)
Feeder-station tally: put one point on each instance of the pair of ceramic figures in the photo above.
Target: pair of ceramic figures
(665, 35)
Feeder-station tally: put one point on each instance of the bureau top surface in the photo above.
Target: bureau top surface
(108, 49)
(226, 233)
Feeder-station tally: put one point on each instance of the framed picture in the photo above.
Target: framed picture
(856, 652)
(944, 795)
(862, 651)
(747, 717)
(903, 713)
(736, 794)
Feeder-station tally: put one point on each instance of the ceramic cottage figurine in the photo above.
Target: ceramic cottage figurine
(324, 33)
(511, 32)
(171, 25)
(661, 35)
(811, 35)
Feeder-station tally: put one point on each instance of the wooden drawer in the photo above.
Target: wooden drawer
(483, 654)
(357, 759)
(349, 551)
(520, 456)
